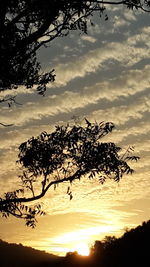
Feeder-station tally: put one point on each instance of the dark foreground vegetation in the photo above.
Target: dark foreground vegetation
(132, 249)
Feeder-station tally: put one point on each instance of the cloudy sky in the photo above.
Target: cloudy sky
(104, 76)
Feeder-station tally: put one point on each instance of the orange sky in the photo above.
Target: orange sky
(104, 76)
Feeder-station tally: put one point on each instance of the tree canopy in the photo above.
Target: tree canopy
(25, 26)
(67, 154)
(131, 249)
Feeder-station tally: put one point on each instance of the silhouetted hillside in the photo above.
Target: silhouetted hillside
(13, 255)
(132, 249)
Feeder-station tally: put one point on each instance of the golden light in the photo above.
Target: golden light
(78, 240)
(82, 249)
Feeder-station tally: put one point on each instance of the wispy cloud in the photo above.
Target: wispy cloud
(124, 53)
(88, 38)
(129, 83)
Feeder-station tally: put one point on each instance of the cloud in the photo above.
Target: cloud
(135, 131)
(129, 15)
(146, 30)
(119, 22)
(128, 84)
(123, 113)
(141, 38)
(69, 101)
(124, 53)
(88, 38)
(14, 92)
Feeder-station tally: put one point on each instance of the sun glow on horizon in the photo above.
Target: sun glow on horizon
(84, 234)
(78, 240)
(82, 249)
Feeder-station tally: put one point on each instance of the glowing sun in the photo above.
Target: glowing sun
(82, 249)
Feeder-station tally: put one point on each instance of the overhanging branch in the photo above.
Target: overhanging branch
(75, 176)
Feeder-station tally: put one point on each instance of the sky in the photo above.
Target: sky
(103, 76)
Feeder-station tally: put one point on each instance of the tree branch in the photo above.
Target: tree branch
(71, 178)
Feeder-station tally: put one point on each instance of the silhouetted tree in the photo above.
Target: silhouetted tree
(97, 249)
(25, 26)
(131, 249)
(65, 155)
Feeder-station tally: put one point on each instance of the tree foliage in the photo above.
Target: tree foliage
(131, 249)
(65, 155)
(25, 26)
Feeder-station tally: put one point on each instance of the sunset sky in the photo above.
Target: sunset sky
(103, 76)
